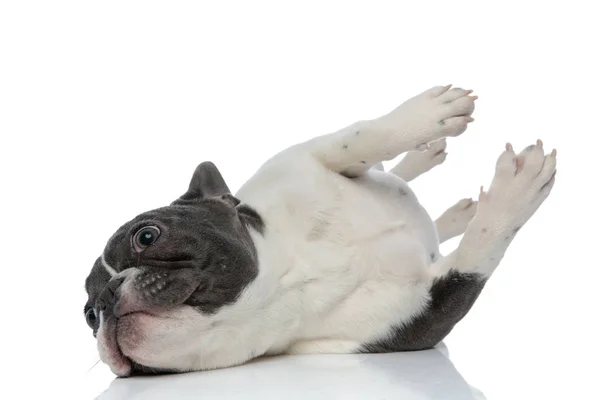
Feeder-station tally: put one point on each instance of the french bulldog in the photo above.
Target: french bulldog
(320, 251)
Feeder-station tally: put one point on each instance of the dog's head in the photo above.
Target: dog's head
(166, 270)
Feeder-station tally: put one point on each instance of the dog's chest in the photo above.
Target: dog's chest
(347, 255)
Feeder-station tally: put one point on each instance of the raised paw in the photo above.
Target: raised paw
(434, 114)
(434, 153)
(521, 184)
(454, 221)
(418, 162)
(455, 107)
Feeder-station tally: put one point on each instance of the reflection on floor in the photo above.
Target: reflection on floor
(417, 375)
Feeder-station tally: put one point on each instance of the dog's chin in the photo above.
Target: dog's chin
(121, 344)
(133, 342)
(109, 350)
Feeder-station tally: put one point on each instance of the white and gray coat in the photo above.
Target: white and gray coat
(321, 251)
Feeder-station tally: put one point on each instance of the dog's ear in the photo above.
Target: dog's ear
(208, 183)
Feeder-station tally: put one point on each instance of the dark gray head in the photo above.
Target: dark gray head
(196, 253)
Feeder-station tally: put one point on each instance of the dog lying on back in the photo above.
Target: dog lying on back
(321, 251)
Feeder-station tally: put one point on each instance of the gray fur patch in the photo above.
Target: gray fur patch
(452, 296)
(202, 231)
(319, 230)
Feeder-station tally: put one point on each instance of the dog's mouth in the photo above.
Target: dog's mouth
(112, 354)
(131, 318)
(109, 349)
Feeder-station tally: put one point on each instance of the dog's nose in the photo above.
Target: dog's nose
(108, 298)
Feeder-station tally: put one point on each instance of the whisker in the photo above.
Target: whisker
(92, 367)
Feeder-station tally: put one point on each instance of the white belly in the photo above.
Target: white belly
(351, 255)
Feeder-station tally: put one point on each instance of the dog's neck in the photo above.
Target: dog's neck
(265, 318)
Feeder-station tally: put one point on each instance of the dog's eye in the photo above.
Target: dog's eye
(145, 237)
(91, 318)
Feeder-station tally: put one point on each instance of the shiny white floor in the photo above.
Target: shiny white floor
(472, 366)
(421, 375)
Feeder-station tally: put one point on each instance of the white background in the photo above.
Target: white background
(107, 107)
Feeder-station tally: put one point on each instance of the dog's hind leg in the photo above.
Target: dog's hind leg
(430, 116)
(416, 163)
(520, 185)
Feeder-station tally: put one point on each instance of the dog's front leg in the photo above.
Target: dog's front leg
(520, 185)
(415, 163)
(430, 116)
